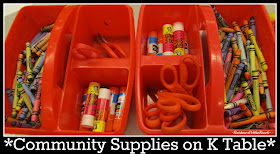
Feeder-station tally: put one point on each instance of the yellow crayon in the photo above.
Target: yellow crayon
(28, 62)
(25, 97)
(222, 35)
(250, 98)
(252, 58)
(264, 78)
(225, 97)
(42, 49)
(19, 64)
(234, 45)
(16, 99)
(47, 28)
(38, 60)
(261, 84)
(256, 89)
(19, 106)
(258, 51)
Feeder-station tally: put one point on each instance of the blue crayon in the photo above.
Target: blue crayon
(226, 46)
(23, 113)
(20, 124)
(10, 96)
(234, 80)
(28, 92)
(35, 40)
(39, 66)
(253, 26)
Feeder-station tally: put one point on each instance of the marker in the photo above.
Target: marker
(152, 44)
(25, 97)
(102, 110)
(258, 51)
(160, 45)
(233, 67)
(250, 98)
(10, 96)
(178, 37)
(226, 46)
(253, 26)
(235, 79)
(112, 109)
(253, 119)
(233, 42)
(246, 111)
(90, 107)
(235, 104)
(167, 32)
(119, 108)
(227, 63)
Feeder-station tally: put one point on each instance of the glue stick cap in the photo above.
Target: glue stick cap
(94, 83)
(152, 33)
(104, 93)
(178, 26)
(87, 121)
(123, 90)
(115, 90)
(168, 53)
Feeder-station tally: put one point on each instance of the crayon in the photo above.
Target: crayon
(25, 97)
(228, 120)
(238, 30)
(19, 112)
(19, 104)
(119, 108)
(221, 20)
(233, 67)
(269, 107)
(35, 40)
(90, 107)
(258, 51)
(23, 113)
(235, 104)
(241, 47)
(256, 89)
(10, 96)
(36, 37)
(252, 119)
(26, 89)
(250, 98)
(37, 102)
(226, 46)
(186, 43)
(47, 28)
(246, 28)
(227, 63)
(261, 84)
(235, 79)
(222, 43)
(40, 44)
(160, 44)
(28, 62)
(20, 124)
(42, 49)
(244, 108)
(248, 42)
(152, 43)
(102, 110)
(15, 101)
(226, 103)
(178, 38)
(253, 26)
(19, 65)
(112, 109)
(214, 9)
(232, 111)
(167, 33)
(267, 126)
(227, 30)
(84, 101)
(221, 34)
(39, 66)
(252, 57)
(233, 42)
(10, 119)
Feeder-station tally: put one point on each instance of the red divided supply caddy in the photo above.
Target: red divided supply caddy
(66, 77)
(207, 50)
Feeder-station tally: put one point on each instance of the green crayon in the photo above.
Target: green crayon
(252, 58)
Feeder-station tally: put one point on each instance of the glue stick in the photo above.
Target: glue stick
(152, 43)
(178, 35)
(102, 110)
(167, 33)
(119, 108)
(90, 107)
(112, 109)
(160, 45)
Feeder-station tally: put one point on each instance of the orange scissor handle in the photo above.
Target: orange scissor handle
(155, 123)
(119, 51)
(169, 105)
(174, 129)
(174, 86)
(165, 116)
(152, 113)
(184, 73)
(109, 51)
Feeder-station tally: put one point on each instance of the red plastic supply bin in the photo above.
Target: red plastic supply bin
(65, 77)
(206, 48)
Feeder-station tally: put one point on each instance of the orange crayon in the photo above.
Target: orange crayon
(248, 120)
(234, 65)
(237, 28)
(244, 108)
(246, 28)
(227, 30)
(233, 42)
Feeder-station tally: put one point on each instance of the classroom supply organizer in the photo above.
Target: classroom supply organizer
(210, 91)
(66, 77)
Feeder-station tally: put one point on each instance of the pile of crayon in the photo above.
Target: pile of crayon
(245, 77)
(102, 108)
(25, 93)
(171, 41)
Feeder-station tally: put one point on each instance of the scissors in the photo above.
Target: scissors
(112, 49)
(177, 96)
